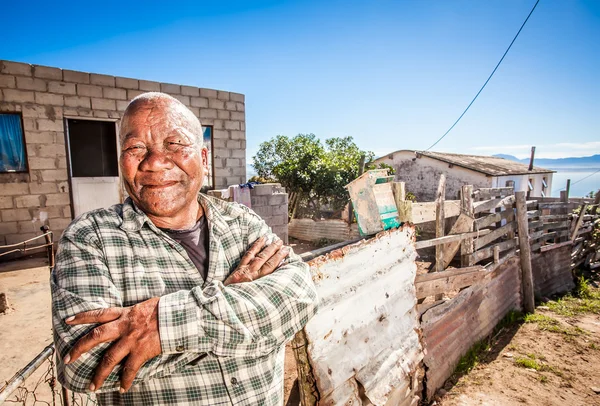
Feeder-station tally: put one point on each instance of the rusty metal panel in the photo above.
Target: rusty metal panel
(552, 271)
(311, 230)
(451, 328)
(363, 345)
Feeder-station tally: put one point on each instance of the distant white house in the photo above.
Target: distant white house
(421, 171)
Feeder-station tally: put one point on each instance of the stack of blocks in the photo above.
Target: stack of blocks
(270, 201)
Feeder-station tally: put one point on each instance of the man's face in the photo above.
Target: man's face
(161, 164)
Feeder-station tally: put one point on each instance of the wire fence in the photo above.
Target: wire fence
(36, 384)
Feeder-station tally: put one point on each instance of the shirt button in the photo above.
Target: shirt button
(234, 381)
(179, 348)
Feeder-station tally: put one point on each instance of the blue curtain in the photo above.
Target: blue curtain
(12, 148)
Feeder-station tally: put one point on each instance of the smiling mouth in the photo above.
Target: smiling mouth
(159, 185)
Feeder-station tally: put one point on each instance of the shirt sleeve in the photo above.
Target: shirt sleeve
(249, 319)
(81, 282)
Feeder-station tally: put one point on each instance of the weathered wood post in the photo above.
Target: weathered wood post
(440, 222)
(525, 252)
(568, 189)
(466, 207)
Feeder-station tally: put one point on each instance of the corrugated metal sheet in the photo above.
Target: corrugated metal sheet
(450, 329)
(311, 230)
(363, 344)
(552, 271)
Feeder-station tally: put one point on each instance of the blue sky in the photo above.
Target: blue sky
(392, 74)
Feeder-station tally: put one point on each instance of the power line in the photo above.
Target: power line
(574, 183)
(488, 79)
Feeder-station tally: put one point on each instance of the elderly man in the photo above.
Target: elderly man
(173, 297)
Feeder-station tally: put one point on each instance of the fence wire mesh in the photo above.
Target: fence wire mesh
(36, 384)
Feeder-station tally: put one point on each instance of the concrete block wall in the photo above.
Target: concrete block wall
(46, 95)
(270, 201)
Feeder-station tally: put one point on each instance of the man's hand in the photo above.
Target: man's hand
(134, 333)
(258, 262)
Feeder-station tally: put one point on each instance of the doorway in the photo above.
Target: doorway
(93, 163)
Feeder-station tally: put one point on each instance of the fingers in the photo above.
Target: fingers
(254, 250)
(264, 255)
(95, 316)
(109, 361)
(101, 334)
(273, 263)
(129, 371)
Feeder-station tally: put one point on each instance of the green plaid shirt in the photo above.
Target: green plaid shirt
(221, 345)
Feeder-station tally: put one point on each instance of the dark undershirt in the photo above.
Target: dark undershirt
(195, 243)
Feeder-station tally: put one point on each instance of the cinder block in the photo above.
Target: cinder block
(149, 86)
(238, 116)
(127, 83)
(100, 114)
(103, 104)
(223, 114)
(279, 220)
(201, 102)
(234, 180)
(49, 98)
(61, 88)
(170, 88)
(42, 137)
(262, 190)
(280, 210)
(35, 111)
(219, 143)
(46, 72)
(238, 153)
(132, 94)
(63, 187)
(230, 106)
(232, 125)
(277, 199)
(76, 76)
(238, 135)
(58, 224)
(240, 171)
(194, 110)
(263, 211)
(7, 82)
(210, 93)
(15, 68)
(216, 104)
(122, 105)
(218, 124)
(6, 202)
(240, 107)
(89, 90)
(221, 95)
(66, 211)
(183, 99)
(237, 97)
(208, 113)
(190, 91)
(16, 215)
(49, 125)
(51, 175)
(18, 96)
(26, 83)
(78, 101)
(114, 93)
(14, 189)
(46, 213)
(102, 80)
(234, 144)
(232, 162)
(259, 200)
(42, 163)
(8, 228)
(27, 201)
(57, 199)
(42, 188)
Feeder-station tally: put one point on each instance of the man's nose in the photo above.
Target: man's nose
(156, 159)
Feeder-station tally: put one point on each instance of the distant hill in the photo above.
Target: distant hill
(581, 162)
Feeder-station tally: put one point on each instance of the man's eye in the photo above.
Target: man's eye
(135, 148)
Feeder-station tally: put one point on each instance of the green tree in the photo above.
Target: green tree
(317, 173)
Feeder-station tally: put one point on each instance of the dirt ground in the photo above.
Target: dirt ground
(550, 359)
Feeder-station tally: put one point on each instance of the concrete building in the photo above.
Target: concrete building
(421, 171)
(59, 149)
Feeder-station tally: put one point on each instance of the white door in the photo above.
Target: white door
(93, 162)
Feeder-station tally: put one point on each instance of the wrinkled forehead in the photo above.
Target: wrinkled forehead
(159, 119)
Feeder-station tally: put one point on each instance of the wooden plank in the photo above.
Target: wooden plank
(466, 207)
(405, 211)
(555, 217)
(425, 212)
(488, 205)
(440, 286)
(533, 214)
(399, 190)
(423, 307)
(557, 225)
(494, 235)
(579, 222)
(449, 238)
(525, 253)
(490, 193)
(492, 218)
(448, 273)
(535, 224)
(463, 224)
(489, 251)
(559, 205)
(554, 246)
(538, 235)
(440, 222)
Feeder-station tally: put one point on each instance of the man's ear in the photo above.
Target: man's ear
(204, 155)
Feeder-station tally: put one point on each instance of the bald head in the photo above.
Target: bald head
(170, 108)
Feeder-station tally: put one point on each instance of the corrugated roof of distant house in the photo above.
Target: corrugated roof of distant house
(489, 165)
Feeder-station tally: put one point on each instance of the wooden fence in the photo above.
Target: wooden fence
(494, 251)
